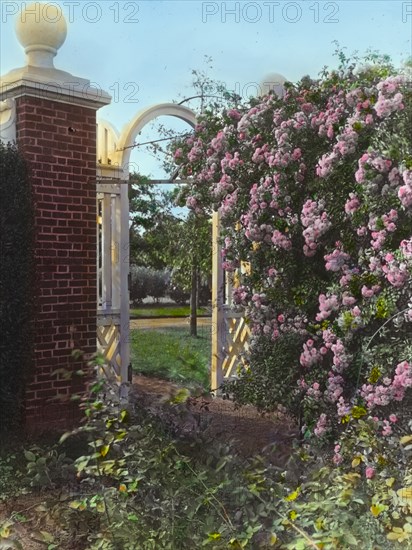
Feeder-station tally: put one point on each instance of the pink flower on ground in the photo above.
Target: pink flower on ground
(369, 472)
(387, 428)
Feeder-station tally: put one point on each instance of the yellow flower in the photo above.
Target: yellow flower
(376, 509)
(374, 375)
(358, 412)
(294, 495)
(122, 488)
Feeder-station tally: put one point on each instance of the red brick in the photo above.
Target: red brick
(63, 164)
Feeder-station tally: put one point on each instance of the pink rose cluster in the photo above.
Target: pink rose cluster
(392, 389)
(316, 223)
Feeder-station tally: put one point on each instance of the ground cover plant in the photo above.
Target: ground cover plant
(172, 354)
(131, 483)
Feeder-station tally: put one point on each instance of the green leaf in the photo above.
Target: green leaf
(104, 450)
(124, 415)
(75, 504)
(47, 537)
(65, 436)
(31, 457)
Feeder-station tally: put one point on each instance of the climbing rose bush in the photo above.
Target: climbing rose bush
(315, 192)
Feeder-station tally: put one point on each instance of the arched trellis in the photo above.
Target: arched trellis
(113, 167)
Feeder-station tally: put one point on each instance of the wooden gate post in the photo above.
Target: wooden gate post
(218, 322)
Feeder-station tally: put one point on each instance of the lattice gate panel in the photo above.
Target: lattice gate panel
(108, 339)
(237, 335)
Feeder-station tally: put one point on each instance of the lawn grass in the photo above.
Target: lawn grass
(151, 310)
(172, 354)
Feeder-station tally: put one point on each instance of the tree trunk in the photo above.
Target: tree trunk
(198, 289)
(193, 302)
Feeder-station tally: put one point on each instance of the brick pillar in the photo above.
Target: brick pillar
(56, 131)
(59, 141)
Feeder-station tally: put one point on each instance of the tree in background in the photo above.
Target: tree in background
(162, 239)
(192, 259)
(148, 207)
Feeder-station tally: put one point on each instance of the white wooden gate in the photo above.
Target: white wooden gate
(113, 168)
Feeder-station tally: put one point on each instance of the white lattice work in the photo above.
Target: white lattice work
(237, 333)
(230, 331)
(109, 338)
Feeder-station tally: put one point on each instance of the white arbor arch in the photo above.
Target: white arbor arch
(113, 162)
(144, 117)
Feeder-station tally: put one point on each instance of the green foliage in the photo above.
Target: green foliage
(271, 376)
(177, 294)
(146, 282)
(150, 214)
(16, 283)
(48, 469)
(138, 488)
(145, 202)
(191, 247)
(143, 490)
(11, 475)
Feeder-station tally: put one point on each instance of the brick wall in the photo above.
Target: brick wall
(59, 141)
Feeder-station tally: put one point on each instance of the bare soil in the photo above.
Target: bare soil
(219, 419)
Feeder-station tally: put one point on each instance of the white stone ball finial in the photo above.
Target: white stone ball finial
(41, 29)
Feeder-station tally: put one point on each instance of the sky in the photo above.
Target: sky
(143, 52)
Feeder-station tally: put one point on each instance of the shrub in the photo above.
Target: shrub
(177, 294)
(315, 194)
(157, 284)
(147, 282)
(139, 488)
(138, 284)
(16, 283)
(268, 382)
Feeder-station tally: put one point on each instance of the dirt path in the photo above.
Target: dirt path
(166, 322)
(220, 420)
